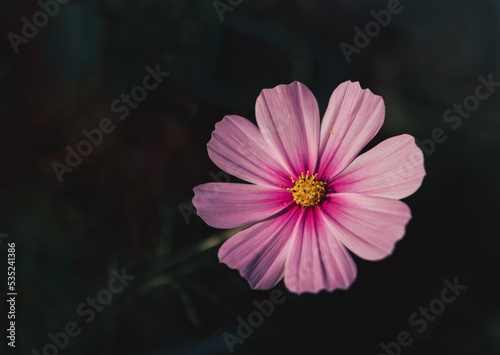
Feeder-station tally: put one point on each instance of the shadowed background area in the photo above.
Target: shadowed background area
(126, 206)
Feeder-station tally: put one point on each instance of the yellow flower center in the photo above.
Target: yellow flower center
(308, 190)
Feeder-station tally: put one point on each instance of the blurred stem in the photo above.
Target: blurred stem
(188, 304)
(180, 266)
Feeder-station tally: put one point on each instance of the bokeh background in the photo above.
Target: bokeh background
(128, 204)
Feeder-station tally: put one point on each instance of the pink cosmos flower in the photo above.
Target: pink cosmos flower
(309, 198)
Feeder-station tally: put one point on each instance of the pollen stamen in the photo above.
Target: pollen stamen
(308, 190)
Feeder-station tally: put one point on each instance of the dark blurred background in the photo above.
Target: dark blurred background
(128, 203)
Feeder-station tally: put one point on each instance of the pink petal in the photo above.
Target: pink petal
(352, 119)
(316, 260)
(393, 169)
(369, 226)
(259, 252)
(230, 205)
(288, 117)
(238, 147)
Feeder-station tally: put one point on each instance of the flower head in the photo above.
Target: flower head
(310, 199)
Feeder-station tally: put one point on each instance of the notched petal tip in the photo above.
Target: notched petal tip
(253, 284)
(356, 85)
(315, 291)
(353, 117)
(394, 169)
(238, 148)
(282, 86)
(288, 117)
(233, 205)
(416, 165)
(374, 235)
